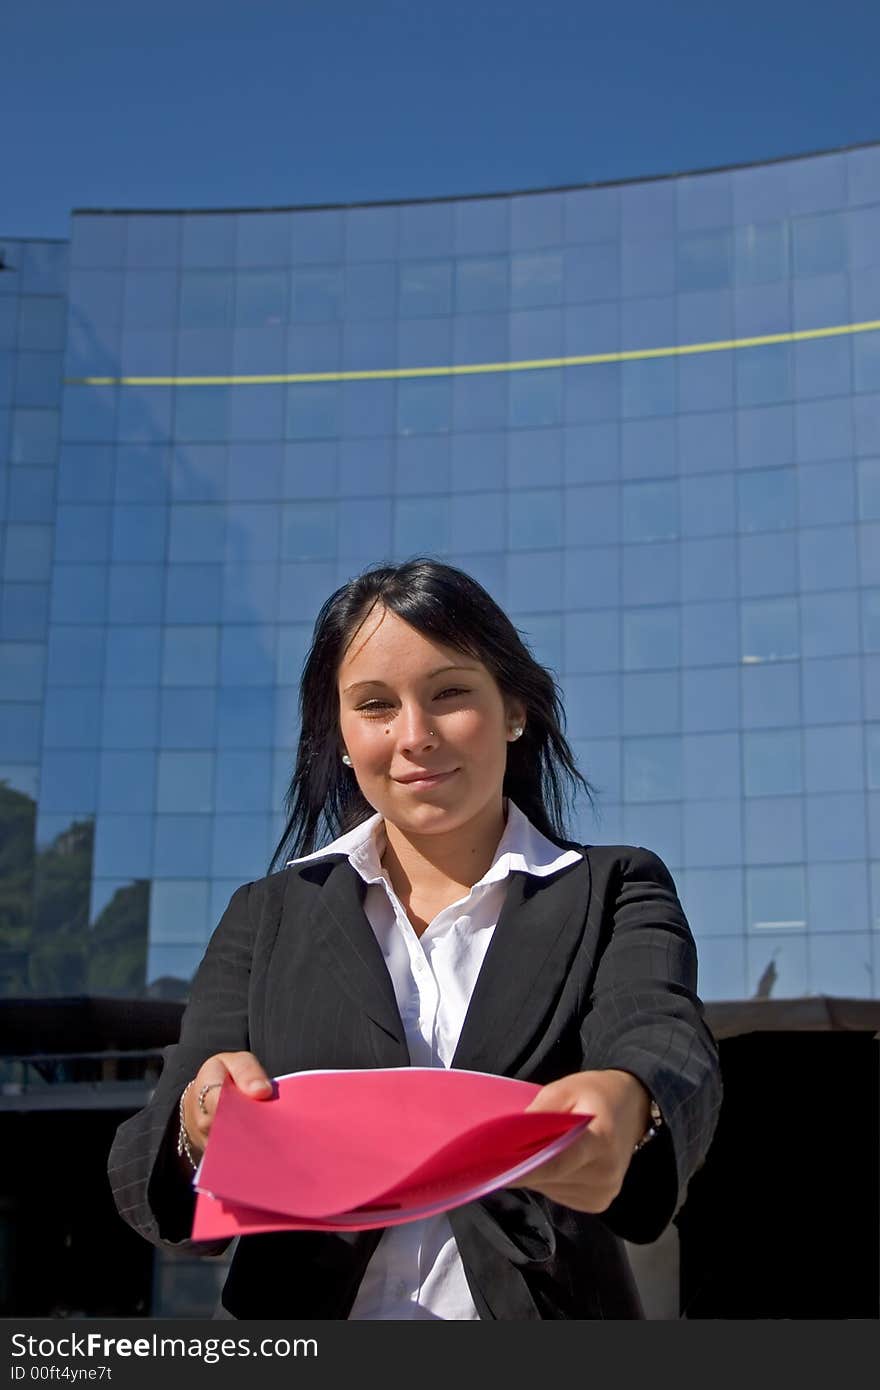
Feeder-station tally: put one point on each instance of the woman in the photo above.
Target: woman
(448, 922)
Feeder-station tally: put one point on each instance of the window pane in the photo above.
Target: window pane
(832, 691)
(761, 253)
(126, 781)
(841, 965)
(819, 244)
(423, 407)
(481, 285)
(535, 519)
(772, 762)
(201, 413)
(421, 524)
(309, 531)
(769, 630)
(649, 388)
(771, 695)
(651, 574)
(836, 826)
(535, 398)
(838, 897)
(186, 782)
(206, 300)
(592, 641)
(189, 655)
(651, 702)
(710, 699)
(650, 511)
(830, 624)
(371, 291)
(834, 758)
(826, 494)
(651, 638)
(713, 902)
(775, 898)
(425, 288)
(712, 834)
(710, 634)
(764, 374)
(708, 504)
(188, 717)
(777, 964)
(767, 500)
(315, 295)
(244, 781)
(129, 718)
(536, 279)
(768, 564)
(652, 769)
(711, 766)
(132, 655)
(704, 261)
(313, 411)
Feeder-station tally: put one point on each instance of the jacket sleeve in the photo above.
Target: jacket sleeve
(152, 1190)
(644, 1016)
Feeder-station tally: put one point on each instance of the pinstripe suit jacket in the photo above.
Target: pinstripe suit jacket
(591, 967)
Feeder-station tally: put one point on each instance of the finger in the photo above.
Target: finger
(562, 1096)
(247, 1073)
(556, 1170)
(198, 1117)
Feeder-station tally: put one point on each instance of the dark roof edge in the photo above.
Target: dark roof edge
(476, 197)
(815, 1013)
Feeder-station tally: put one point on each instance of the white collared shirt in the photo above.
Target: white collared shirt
(416, 1270)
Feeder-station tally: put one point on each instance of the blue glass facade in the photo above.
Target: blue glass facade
(646, 417)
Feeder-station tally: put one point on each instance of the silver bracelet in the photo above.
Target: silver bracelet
(183, 1144)
(654, 1124)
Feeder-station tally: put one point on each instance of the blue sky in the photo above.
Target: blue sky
(265, 103)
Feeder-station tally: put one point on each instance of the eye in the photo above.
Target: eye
(373, 706)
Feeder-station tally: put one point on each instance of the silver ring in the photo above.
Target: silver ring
(204, 1091)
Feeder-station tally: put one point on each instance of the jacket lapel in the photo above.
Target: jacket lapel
(538, 929)
(540, 924)
(341, 929)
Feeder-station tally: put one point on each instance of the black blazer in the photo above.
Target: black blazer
(591, 967)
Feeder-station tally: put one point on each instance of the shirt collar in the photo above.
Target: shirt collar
(521, 847)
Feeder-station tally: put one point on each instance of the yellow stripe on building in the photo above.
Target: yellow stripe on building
(801, 335)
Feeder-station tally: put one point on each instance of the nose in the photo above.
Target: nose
(415, 728)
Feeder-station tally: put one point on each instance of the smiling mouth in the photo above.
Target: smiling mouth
(426, 782)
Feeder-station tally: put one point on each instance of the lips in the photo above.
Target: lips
(429, 779)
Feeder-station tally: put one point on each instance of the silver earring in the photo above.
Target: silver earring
(346, 759)
(517, 731)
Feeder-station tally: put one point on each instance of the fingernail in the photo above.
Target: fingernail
(257, 1085)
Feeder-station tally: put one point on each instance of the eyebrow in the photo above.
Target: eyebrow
(429, 677)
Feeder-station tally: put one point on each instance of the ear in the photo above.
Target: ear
(515, 712)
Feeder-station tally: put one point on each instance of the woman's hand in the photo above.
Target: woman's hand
(248, 1076)
(588, 1175)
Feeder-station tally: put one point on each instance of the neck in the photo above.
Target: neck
(425, 866)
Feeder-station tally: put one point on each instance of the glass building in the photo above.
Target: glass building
(645, 416)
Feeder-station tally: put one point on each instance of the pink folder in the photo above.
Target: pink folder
(347, 1150)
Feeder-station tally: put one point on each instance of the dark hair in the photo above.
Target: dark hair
(452, 608)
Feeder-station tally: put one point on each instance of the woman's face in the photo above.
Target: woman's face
(392, 694)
